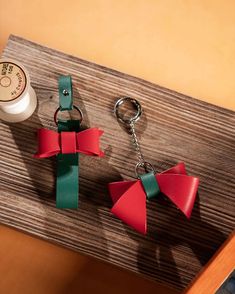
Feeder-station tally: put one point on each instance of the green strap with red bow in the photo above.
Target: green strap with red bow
(67, 183)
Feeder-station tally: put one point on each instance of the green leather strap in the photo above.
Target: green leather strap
(65, 93)
(150, 185)
(67, 184)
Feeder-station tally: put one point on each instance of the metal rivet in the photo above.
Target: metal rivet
(65, 92)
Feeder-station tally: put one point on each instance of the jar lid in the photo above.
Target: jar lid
(13, 80)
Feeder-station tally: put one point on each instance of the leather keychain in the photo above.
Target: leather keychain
(129, 197)
(66, 144)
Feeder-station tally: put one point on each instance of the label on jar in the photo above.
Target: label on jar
(12, 81)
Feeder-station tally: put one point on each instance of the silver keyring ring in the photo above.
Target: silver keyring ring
(146, 165)
(75, 107)
(134, 102)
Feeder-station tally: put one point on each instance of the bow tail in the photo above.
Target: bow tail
(181, 189)
(130, 207)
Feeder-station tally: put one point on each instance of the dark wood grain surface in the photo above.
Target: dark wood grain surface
(173, 128)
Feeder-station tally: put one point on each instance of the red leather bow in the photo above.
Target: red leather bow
(129, 197)
(51, 143)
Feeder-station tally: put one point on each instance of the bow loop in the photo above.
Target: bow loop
(180, 189)
(88, 142)
(51, 143)
(130, 207)
(48, 143)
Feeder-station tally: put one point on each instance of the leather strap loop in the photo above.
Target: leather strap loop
(150, 185)
(67, 184)
(65, 93)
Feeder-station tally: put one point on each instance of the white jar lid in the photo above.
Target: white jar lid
(13, 80)
(17, 98)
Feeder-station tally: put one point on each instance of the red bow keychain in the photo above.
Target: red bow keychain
(129, 197)
(66, 145)
(51, 143)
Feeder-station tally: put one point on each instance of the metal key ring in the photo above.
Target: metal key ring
(146, 165)
(135, 103)
(75, 107)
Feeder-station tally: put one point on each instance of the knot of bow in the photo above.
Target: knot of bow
(129, 197)
(51, 143)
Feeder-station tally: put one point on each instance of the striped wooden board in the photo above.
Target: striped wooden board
(173, 128)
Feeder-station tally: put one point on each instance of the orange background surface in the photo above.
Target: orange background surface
(186, 45)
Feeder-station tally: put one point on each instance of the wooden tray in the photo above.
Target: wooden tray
(215, 276)
(173, 128)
